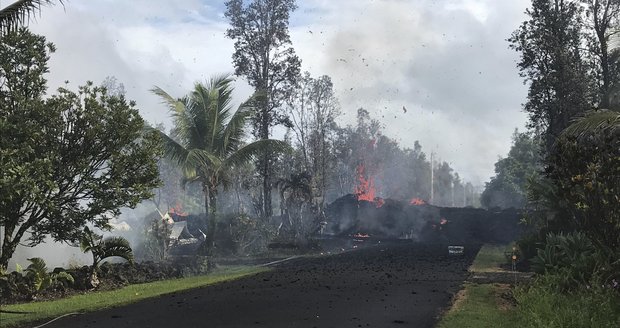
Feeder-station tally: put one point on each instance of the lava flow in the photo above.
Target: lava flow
(417, 202)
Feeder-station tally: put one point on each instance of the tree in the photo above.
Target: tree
(585, 170)
(552, 61)
(18, 13)
(66, 161)
(102, 249)
(296, 193)
(508, 188)
(264, 56)
(603, 17)
(210, 139)
(313, 107)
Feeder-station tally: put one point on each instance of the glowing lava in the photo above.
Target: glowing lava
(177, 210)
(417, 202)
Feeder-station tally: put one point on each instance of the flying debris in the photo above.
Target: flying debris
(404, 110)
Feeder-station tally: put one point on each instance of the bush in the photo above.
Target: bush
(585, 168)
(575, 261)
(240, 234)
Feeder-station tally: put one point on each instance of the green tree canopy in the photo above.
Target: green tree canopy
(264, 55)
(508, 187)
(68, 160)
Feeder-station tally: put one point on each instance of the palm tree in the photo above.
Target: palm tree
(19, 12)
(101, 249)
(209, 138)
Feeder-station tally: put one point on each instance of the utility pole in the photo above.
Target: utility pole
(432, 179)
(452, 192)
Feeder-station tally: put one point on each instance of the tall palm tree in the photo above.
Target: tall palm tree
(19, 12)
(209, 138)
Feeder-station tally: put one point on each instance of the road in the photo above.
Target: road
(404, 285)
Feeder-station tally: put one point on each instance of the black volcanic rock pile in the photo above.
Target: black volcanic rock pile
(397, 219)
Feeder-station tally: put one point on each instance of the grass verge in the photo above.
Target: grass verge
(542, 306)
(489, 258)
(100, 300)
(479, 306)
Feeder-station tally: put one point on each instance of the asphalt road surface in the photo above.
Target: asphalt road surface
(401, 285)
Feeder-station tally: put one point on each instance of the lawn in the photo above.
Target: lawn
(480, 306)
(490, 258)
(36, 311)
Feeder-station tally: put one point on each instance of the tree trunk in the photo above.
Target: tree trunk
(8, 248)
(266, 164)
(210, 217)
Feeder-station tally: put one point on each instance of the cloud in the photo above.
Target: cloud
(447, 62)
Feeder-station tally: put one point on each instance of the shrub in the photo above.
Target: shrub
(575, 260)
(41, 279)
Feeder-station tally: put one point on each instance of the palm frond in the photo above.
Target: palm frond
(215, 98)
(19, 13)
(593, 122)
(172, 149)
(248, 152)
(235, 130)
(203, 159)
(185, 119)
(37, 265)
(88, 240)
(116, 246)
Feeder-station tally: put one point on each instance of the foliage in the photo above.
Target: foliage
(18, 13)
(42, 279)
(156, 239)
(553, 63)
(313, 108)
(210, 138)
(572, 255)
(585, 168)
(241, 234)
(69, 160)
(603, 23)
(263, 54)
(296, 197)
(103, 248)
(541, 305)
(508, 187)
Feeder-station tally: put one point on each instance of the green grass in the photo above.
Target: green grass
(542, 306)
(479, 308)
(113, 298)
(490, 258)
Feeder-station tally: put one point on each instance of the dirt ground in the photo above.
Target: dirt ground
(399, 285)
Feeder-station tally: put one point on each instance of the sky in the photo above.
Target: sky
(446, 61)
